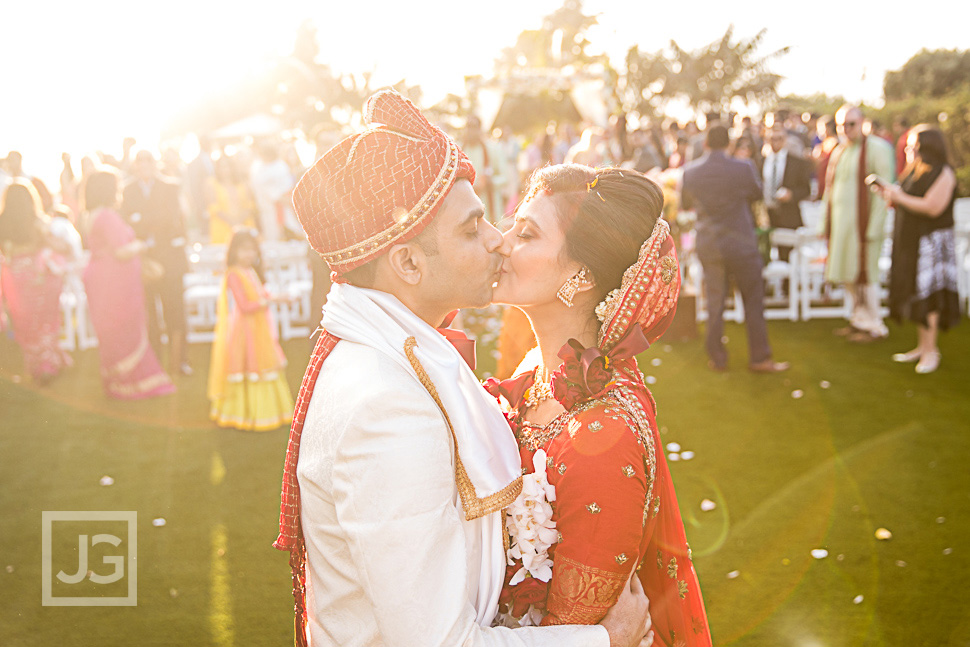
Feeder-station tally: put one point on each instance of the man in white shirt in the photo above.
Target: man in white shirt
(399, 465)
(272, 183)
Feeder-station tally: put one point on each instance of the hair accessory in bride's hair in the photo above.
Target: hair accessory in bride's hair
(647, 295)
(591, 188)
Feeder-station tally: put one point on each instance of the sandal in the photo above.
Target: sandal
(906, 358)
(929, 362)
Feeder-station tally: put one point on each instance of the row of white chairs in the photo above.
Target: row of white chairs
(286, 269)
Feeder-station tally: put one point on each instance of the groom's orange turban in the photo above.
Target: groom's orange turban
(380, 187)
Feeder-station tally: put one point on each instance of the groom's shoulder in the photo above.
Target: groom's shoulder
(361, 373)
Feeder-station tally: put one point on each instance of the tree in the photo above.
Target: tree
(709, 78)
(929, 74)
(560, 42)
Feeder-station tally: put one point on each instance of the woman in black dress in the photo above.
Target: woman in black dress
(923, 280)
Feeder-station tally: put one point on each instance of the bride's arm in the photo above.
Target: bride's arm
(602, 501)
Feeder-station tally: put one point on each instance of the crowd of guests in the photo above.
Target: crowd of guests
(137, 213)
(134, 216)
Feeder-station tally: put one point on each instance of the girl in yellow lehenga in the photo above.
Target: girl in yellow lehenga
(247, 387)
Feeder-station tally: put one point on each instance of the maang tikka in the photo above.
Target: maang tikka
(571, 286)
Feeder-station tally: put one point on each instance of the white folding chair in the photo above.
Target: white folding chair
(782, 303)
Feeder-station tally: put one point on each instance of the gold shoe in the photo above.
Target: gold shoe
(929, 362)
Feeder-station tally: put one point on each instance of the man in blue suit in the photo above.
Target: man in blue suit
(721, 190)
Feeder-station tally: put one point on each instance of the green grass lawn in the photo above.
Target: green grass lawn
(881, 447)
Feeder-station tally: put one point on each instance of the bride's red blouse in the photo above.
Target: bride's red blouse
(615, 510)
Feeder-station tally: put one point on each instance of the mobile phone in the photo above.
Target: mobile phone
(875, 179)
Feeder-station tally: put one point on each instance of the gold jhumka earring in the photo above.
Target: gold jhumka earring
(571, 286)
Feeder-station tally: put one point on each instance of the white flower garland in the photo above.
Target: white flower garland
(532, 531)
(530, 525)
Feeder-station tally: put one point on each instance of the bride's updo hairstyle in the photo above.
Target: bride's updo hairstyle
(606, 215)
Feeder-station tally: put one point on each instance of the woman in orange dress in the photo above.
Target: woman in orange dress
(594, 267)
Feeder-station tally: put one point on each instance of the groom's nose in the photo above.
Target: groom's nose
(494, 241)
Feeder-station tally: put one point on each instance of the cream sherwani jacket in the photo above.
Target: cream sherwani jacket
(389, 562)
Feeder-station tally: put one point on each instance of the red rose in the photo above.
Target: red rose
(529, 592)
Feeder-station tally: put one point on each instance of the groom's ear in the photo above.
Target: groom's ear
(407, 262)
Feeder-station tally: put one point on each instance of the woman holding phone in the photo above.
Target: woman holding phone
(923, 278)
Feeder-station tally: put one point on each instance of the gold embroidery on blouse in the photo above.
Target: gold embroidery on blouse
(535, 436)
(660, 561)
(562, 468)
(595, 426)
(550, 461)
(629, 471)
(474, 505)
(621, 558)
(593, 508)
(656, 505)
(574, 427)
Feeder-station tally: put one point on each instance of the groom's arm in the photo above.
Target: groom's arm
(395, 493)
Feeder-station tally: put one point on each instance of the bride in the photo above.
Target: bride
(595, 269)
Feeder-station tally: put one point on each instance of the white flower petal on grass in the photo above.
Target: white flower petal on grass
(707, 505)
(733, 574)
(940, 519)
(883, 534)
(673, 447)
(673, 457)
(825, 384)
(159, 522)
(687, 455)
(650, 379)
(901, 564)
(797, 394)
(858, 599)
(819, 553)
(946, 551)
(106, 480)
(656, 361)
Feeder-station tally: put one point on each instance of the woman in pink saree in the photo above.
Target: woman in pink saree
(32, 277)
(116, 298)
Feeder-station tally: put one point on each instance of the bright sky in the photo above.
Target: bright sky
(80, 76)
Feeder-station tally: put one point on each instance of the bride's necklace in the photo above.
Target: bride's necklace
(541, 389)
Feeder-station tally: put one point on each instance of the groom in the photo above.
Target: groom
(399, 465)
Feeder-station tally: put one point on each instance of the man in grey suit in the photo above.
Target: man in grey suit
(721, 189)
